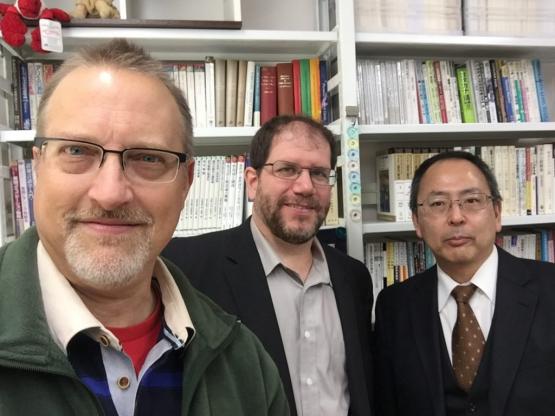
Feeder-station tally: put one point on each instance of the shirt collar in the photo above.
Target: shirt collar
(270, 259)
(485, 280)
(67, 315)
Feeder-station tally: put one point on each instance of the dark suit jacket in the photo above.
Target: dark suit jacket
(226, 266)
(522, 373)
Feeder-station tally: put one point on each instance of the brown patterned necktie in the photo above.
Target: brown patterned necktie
(468, 341)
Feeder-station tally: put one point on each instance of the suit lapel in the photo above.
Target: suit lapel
(514, 311)
(343, 293)
(245, 275)
(426, 332)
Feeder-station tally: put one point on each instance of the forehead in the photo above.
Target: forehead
(299, 143)
(453, 176)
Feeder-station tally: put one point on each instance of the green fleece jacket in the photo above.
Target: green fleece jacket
(226, 370)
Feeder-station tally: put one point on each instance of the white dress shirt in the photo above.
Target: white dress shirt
(482, 302)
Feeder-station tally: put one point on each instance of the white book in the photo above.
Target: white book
(191, 92)
(182, 81)
(219, 77)
(23, 193)
(210, 92)
(530, 90)
(412, 92)
(239, 197)
(249, 95)
(200, 95)
(232, 191)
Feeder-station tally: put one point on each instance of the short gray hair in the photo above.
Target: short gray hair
(120, 54)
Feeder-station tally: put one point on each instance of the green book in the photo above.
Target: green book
(468, 110)
(306, 104)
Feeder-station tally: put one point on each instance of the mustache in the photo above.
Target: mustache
(312, 203)
(131, 215)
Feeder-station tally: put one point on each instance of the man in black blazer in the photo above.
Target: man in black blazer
(456, 209)
(309, 304)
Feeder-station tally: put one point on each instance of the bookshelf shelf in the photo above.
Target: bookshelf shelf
(456, 131)
(168, 43)
(411, 45)
(383, 227)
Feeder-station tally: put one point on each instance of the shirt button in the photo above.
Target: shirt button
(104, 340)
(309, 381)
(307, 334)
(123, 383)
(472, 407)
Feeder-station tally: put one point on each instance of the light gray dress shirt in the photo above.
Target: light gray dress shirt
(310, 329)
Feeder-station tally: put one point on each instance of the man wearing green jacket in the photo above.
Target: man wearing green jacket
(92, 321)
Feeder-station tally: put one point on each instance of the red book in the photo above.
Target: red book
(296, 86)
(268, 93)
(284, 73)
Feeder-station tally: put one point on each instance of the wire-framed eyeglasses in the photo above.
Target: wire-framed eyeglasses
(78, 157)
(440, 205)
(320, 176)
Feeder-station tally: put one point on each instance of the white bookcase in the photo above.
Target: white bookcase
(277, 31)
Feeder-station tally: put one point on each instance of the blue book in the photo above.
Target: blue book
(507, 98)
(256, 106)
(542, 102)
(544, 245)
(25, 104)
(325, 115)
(423, 99)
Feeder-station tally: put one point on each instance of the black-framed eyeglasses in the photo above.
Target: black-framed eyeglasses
(77, 157)
(291, 171)
(439, 205)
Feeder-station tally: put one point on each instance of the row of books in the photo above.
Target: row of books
(393, 261)
(520, 18)
(409, 16)
(22, 178)
(525, 175)
(455, 17)
(220, 92)
(216, 200)
(28, 82)
(411, 91)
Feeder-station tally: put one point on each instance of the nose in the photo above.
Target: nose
(110, 187)
(303, 184)
(455, 213)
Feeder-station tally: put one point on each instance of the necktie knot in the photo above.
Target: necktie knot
(463, 293)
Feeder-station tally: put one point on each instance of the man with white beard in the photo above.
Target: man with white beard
(92, 321)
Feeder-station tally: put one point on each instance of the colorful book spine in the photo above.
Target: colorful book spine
(296, 86)
(306, 106)
(25, 103)
(256, 98)
(315, 88)
(465, 95)
(324, 98)
(542, 102)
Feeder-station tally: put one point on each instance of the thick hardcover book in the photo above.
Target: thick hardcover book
(285, 102)
(268, 93)
(219, 77)
(296, 85)
(306, 106)
(231, 93)
(315, 88)
(241, 92)
(465, 94)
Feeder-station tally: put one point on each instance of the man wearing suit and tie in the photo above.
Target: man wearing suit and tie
(308, 303)
(476, 333)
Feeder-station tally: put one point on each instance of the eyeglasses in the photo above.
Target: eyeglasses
(77, 157)
(291, 171)
(440, 205)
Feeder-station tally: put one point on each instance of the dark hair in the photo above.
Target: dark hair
(119, 54)
(262, 140)
(453, 154)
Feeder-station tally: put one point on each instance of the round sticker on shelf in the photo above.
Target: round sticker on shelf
(353, 165)
(352, 144)
(352, 132)
(354, 177)
(355, 199)
(353, 154)
(355, 188)
(355, 215)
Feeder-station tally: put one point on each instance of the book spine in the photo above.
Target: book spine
(325, 115)
(314, 64)
(256, 105)
(249, 95)
(241, 92)
(285, 100)
(16, 90)
(219, 76)
(499, 104)
(440, 91)
(16, 197)
(465, 96)
(542, 102)
(296, 86)
(268, 93)
(191, 93)
(200, 94)
(306, 106)
(507, 92)
(210, 93)
(231, 93)
(25, 104)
